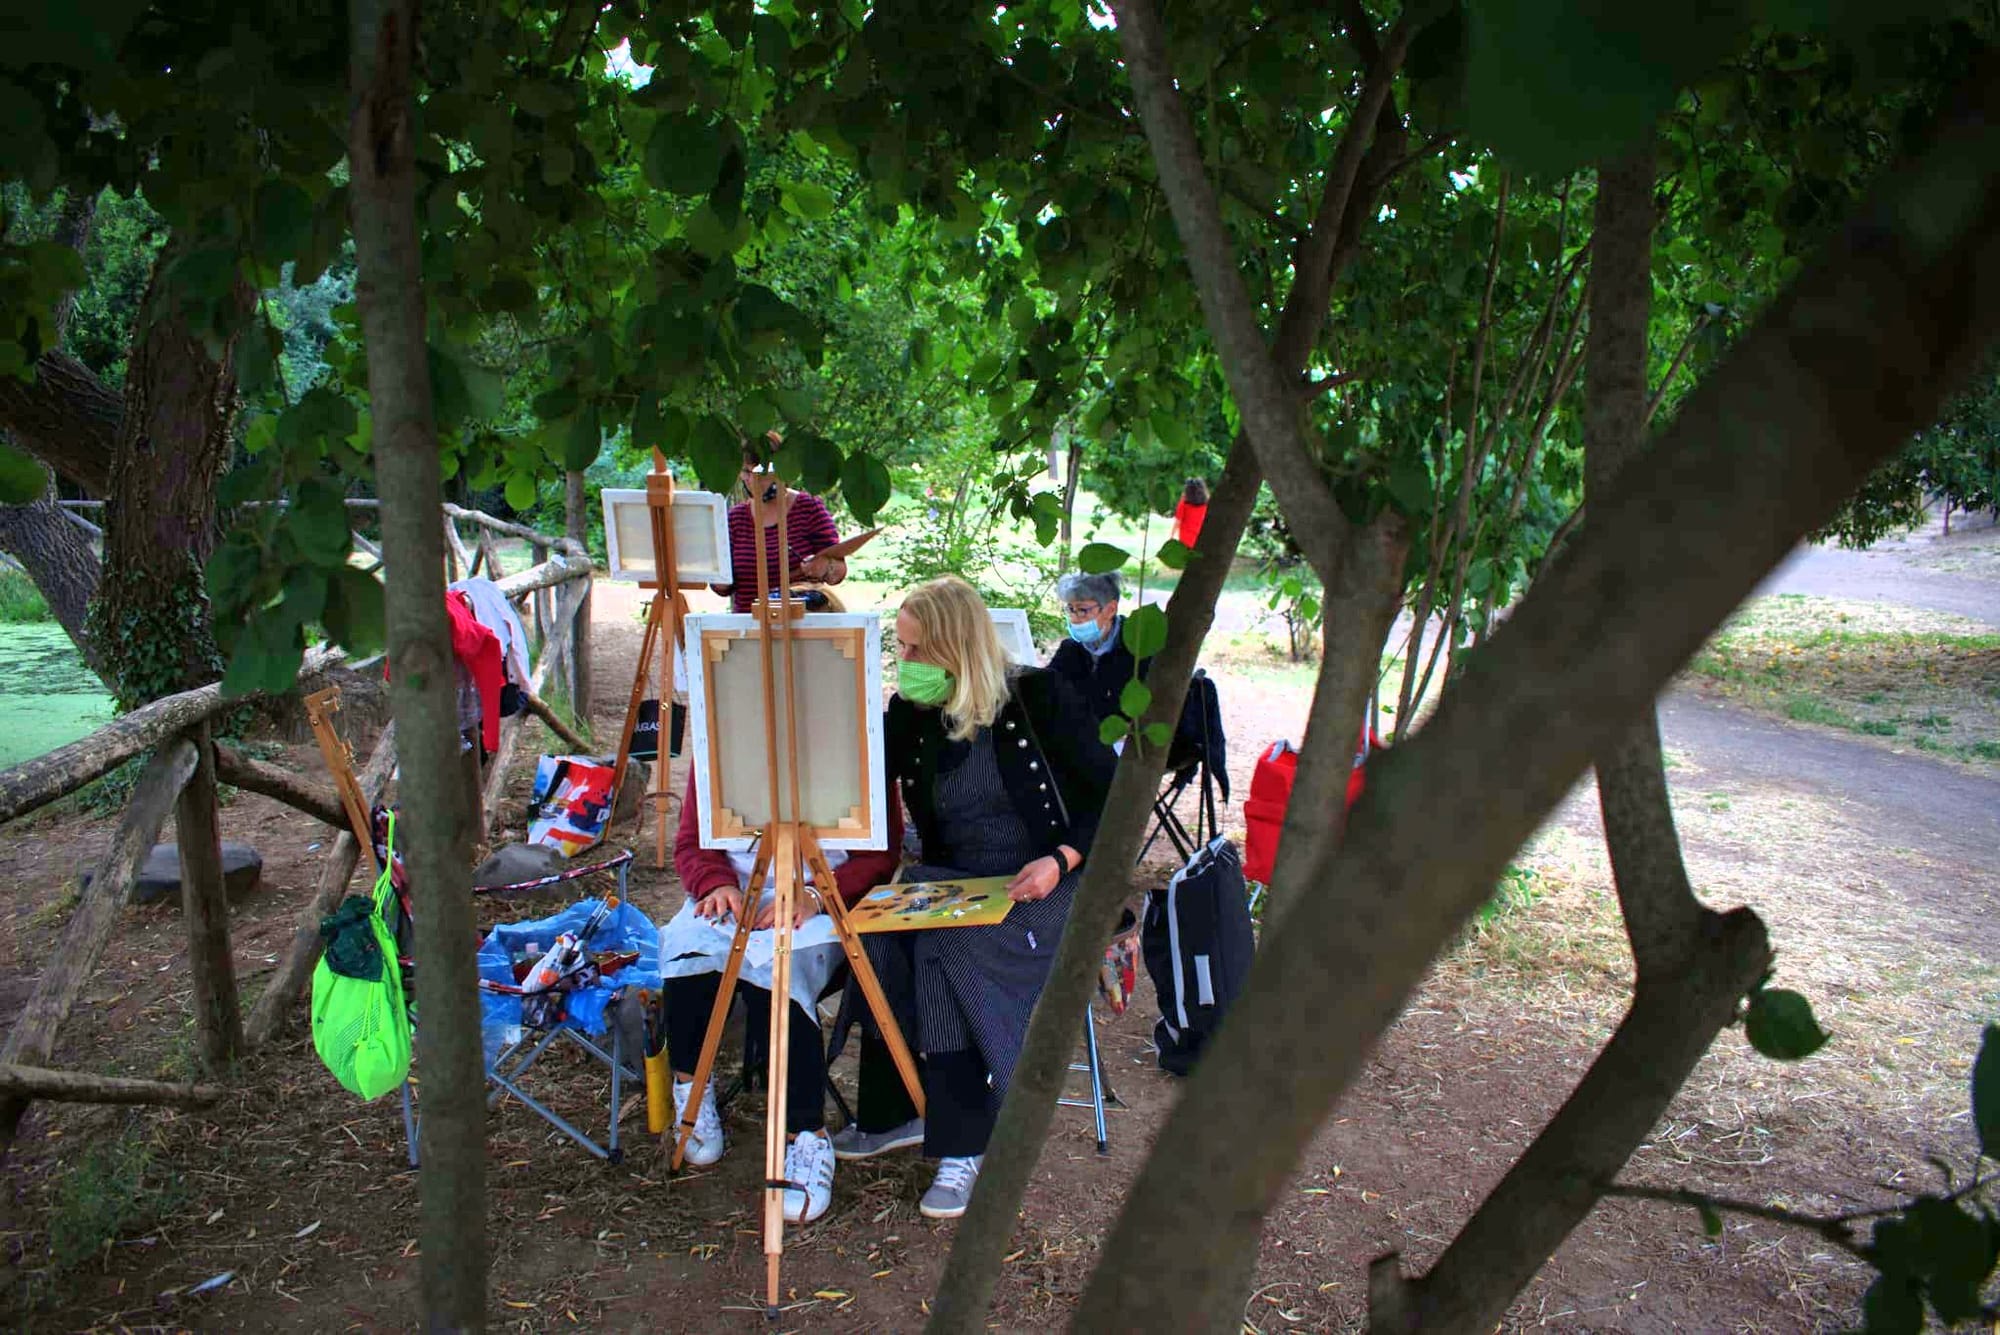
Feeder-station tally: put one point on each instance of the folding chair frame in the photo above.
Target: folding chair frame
(508, 1080)
(1101, 1093)
(1167, 820)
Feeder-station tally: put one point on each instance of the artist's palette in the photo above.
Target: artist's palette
(979, 902)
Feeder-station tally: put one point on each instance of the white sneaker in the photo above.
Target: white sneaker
(809, 1165)
(951, 1190)
(706, 1142)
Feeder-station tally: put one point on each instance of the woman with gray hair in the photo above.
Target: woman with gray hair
(1093, 660)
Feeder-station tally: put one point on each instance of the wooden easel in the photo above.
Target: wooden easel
(321, 706)
(788, 850)
(664, 618)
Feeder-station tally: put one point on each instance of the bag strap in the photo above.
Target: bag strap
(1028, 721)
(386, 882)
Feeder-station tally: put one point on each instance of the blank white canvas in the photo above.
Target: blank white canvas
(701, 535)
(1015, 637)
(835, 713)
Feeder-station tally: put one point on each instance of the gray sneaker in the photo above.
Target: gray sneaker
(951, 1189)
(851, 1142)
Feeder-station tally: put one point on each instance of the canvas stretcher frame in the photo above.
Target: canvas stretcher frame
(840, 757)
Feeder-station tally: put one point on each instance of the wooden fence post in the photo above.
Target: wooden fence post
(218, 1021)
(578, 660)
(541, 602)
(34, 1034)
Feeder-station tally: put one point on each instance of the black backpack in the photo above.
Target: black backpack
(1198, 943)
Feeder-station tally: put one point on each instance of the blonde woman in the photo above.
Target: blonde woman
(1001, 772)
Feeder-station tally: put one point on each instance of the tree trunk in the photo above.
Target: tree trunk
(1363, 599)
(58, 558)
(33, 1036)
(1764, 451)
(152, 616)
(966, 1287)
(1693, 965)
(66, 418)
(218, 1019)
(576, 525)
(389, 290)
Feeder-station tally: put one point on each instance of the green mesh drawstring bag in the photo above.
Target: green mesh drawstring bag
(360, 1025)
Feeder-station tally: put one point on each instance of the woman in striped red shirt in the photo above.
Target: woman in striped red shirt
(753, 532)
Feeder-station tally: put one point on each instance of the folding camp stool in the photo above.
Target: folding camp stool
(1101, 1092)
(509, 1069)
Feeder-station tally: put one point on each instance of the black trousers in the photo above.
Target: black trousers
(960, 1106)
(960, 1103)
(690, 1001)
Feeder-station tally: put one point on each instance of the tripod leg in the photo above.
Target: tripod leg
(718, 1017)
(864, 974)
(649, 644)
(780, 1063)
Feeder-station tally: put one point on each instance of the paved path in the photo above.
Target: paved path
(1906, 800)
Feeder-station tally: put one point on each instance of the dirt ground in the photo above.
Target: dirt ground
(304, 1198)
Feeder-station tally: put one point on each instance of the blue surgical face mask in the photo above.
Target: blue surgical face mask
(1086, 633)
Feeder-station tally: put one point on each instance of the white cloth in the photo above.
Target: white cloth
(493, 611)
(691, 944)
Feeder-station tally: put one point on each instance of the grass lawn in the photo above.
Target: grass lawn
(1911, 678)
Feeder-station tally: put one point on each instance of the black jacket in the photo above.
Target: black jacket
(1096, 679)
(1069, 759)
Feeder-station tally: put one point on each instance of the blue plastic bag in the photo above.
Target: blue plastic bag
(624, 929)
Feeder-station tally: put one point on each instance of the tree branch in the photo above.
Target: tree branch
(66, 418)
(1863, 349)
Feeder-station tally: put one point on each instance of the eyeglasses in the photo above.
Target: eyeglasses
(1084, 609)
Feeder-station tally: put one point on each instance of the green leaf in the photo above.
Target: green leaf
(1711, 1221)
(1553, 84)
(267, 657)
(1135, 698)
(865, 483)
(553, 405)
(234, 570)
(1159, 734)
(1146, 631)
(1099, 558)
(716, 453)
(521, 492)
(683, 155)
(317, 520)
(581, 440)
(807, 199)
(810, 461)
(353, 614)
(795, 403)
(1410, 486)
(22, 477)
(284, 220)
(1780, 1025)
(1986, 1093)
(1113, 729)
(1174, 554)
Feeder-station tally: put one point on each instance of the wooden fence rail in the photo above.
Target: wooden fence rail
(180, 779)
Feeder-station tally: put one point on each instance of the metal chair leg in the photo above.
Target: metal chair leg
(409, 1126)
(1100, 1088)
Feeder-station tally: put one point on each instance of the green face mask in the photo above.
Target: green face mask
(923, 683)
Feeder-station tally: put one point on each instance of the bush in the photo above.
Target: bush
(20, 601)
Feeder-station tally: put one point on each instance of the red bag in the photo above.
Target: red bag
(1264, 809)
(1271, 793)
